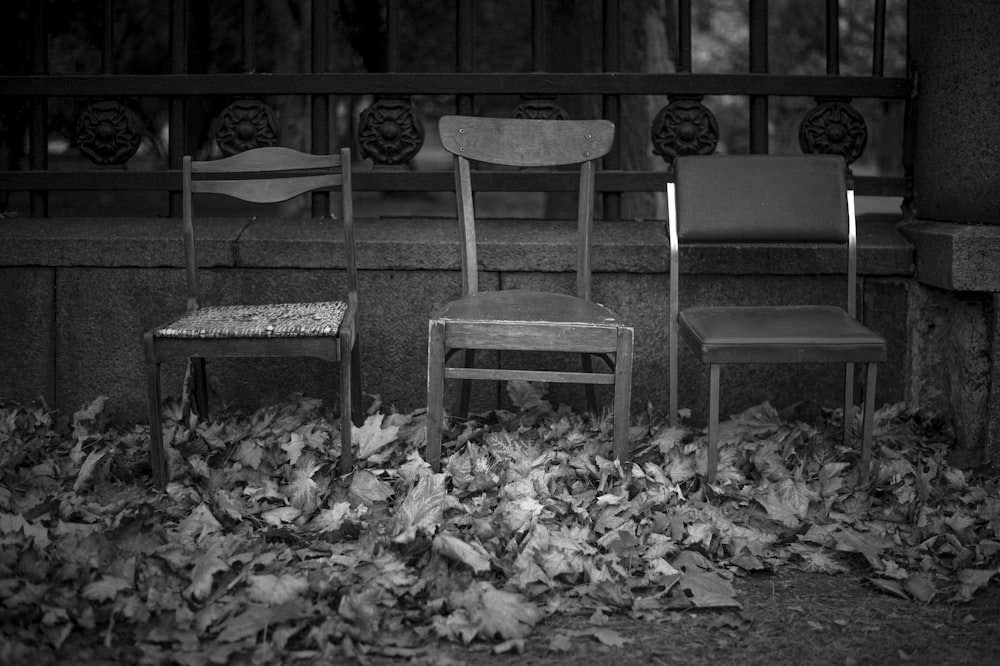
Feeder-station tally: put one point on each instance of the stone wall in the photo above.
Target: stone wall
(77, 294)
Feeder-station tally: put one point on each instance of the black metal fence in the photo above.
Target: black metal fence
(389, 131)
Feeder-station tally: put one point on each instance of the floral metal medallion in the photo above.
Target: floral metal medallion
(540, 109)
(390, 132)
(108, 133)
(246, 124)
(685, 126)
(834, 127)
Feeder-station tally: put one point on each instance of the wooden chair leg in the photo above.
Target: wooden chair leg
(465, 388)
(587, 364)
(848, 403)
(357, 396)
(623, 393)
(868, 423)
(713, 423)
(346, 403)
(199, 386)
(157, 459)
(435, 392)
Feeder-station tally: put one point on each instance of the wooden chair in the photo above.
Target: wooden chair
(326, 330)
(520, 319)
(770, 200)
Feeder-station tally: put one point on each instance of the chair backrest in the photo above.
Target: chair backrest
(762, 199)
(269, 175)
(525, 143)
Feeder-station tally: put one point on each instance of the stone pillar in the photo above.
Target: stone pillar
(954, 50)
(954, 347)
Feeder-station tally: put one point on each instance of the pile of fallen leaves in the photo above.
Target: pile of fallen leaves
(258, 552)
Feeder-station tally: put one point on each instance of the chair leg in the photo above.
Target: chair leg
(157, 459)
(465, 388)
(623, 393)
(868, 425)
(848, 403)
(357, 396)
(713, 423)
(588, 366)
(199, 386)
(346, 403)
(673, 373)
(435, 392)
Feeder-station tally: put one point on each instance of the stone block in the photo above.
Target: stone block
(959, 257)
(27, 326)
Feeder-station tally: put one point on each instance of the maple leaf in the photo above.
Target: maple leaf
(528, 395)
(495, 613)
(293, 447)
(281, 515)
(203, 573)
(274, 589)
(473, 555)
(106, 588)
(85, 477)
(368, 488)
(372, 437)
(708, 589)
(198, 525)
(421, 509)
(302, 490)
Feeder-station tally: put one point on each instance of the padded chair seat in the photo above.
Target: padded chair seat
(521, 305)
(779, 334)
(282, 320)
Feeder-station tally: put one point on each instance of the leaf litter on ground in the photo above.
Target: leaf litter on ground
(259, 550)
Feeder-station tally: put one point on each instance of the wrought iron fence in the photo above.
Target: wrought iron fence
(389, 131)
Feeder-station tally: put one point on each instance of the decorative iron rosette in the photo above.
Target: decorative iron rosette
(108, 133)
(246, 124)
(390, 132)
(540, 109)
(684, 127)
(834, 127)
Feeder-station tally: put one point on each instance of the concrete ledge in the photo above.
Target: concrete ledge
(422, 244)
(957, 257)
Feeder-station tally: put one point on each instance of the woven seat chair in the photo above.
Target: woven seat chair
(325, 330)
(773, 200)
(517, 319)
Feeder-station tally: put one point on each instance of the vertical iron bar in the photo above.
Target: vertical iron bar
(464, 25)
(832, 37)
(392, 35)
(320, 120)
(684, 36)
(538, 35)
(249, 36)
(108, 52)
(176, 145)
(758, 65)
(38, 201)
(612, 103)
(878, 39)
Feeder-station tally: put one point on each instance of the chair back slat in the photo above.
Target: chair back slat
(762, 198)
(267, 175)
(526, 143)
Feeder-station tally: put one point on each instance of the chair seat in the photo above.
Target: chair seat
(779, 334)
(277, 320)
(530, 307)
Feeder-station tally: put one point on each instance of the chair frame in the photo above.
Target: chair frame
(850, 239)
(520, 143)
(261, 175)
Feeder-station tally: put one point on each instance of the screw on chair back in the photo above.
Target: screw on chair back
(524, 320)
(768, 199)
(326, 330)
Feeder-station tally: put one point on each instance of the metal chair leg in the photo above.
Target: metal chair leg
(848, 403)
(587, 364)
(435, 392)
(157, 457)
(346, 403)
(713, 423)
(623, 393)
(868, 423)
